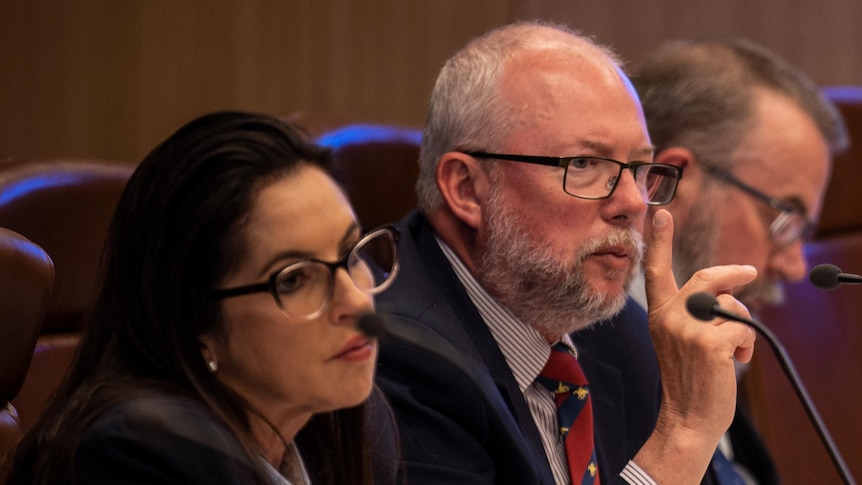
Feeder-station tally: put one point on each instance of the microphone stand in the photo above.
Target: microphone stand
(801, 392)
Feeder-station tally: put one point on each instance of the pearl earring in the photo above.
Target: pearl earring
(213, 365)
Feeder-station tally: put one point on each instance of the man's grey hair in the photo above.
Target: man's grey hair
(699, 95)
(467, 110)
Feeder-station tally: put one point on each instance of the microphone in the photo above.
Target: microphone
(372, 325)
(704, 306)
(375, 325)
(829, 277)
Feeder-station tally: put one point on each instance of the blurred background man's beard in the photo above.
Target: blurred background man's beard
(760, 293)
(694, 248)
(539, 286)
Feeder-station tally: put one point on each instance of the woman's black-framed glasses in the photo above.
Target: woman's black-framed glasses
(789, 225)
(303, 289)
(592, 178)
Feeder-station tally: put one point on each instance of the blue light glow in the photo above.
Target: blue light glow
(20, 244)
(364, 133)
(843, 94)
(30, 184)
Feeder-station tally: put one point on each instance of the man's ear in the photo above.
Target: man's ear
(678, 156)
(463, 185)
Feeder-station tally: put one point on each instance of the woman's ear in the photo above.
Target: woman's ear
(208, 353)
(463, 185)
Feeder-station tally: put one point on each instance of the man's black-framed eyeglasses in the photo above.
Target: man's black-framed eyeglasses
(790, 225)
(592, 178)
(303, 289)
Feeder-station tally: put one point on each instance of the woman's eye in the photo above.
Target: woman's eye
(292, 281)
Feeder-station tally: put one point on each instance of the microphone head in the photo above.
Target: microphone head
(825, 276)
(373, 325)
(701, 305)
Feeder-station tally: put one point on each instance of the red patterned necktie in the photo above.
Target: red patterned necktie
(565, 378)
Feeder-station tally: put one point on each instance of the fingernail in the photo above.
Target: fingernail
(749, 268)
(660, 218)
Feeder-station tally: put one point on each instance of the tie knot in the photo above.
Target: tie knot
(562, 371)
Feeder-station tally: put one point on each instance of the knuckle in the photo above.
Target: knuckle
(704, 276)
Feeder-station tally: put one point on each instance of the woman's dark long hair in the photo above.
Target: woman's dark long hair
(176, 233)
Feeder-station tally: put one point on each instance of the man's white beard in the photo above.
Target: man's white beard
(536, 284)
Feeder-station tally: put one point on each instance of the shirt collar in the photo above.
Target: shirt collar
(523, 347)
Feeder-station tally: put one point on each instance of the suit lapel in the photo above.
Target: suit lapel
(469, 334)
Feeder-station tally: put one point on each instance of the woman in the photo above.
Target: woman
(223, 345)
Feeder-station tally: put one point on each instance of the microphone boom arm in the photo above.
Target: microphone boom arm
(798, 387)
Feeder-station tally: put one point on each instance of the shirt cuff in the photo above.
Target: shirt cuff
(634, 475)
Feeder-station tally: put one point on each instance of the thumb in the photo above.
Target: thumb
(658, 274)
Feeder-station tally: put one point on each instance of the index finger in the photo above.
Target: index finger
(658, 274)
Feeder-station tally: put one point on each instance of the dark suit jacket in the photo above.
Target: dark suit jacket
(750, 451)
(466, 421)
(163, 439)
(160, 439)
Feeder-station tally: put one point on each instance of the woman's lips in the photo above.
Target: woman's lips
(357, 349)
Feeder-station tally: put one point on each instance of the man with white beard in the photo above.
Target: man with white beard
(535, 177)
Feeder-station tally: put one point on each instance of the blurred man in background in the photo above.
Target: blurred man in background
(755, 138)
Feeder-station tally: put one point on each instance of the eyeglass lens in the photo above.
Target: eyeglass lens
(659, 182)
(597, 178)
(305, 288)
(787, 228)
